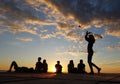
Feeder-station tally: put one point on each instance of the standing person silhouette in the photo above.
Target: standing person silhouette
(91, 40)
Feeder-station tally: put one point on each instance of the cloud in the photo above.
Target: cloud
(72, 52)
(116, 62)
(15, 28)
(73, 35)
(24, 39)
(33, 16)
(114, 47)
(23, 16)
(43, 30)
(98, 36)
(18, 17)
(46, 36)
(2, 30)
(14, 11)
(102, 13)
(76, 52)
(113, 32)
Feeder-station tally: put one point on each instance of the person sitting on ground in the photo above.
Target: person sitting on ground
(81, 67)
(45, 66)
(70, 66)
(58, 67)
(19, 69)
(39, 65)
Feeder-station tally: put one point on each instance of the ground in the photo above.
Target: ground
(52, 78)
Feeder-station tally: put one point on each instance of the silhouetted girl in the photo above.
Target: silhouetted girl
(91, 40)
(45, 66)
(71, 67)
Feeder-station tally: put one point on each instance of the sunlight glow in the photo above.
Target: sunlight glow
(52, 69)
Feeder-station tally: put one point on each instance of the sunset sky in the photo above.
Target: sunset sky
(54, 30)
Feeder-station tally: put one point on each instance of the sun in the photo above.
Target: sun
(52, 69)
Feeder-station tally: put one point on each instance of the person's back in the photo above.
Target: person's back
(58, 67)
(81, 67)
(38, 67)
(45, 66)
(71, 67)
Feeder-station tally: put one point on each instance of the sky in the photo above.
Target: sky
(55, 29)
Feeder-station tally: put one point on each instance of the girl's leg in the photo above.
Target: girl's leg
(96, 67)
(90, 62)
(13, 64)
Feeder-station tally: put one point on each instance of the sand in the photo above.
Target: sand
(52, 78)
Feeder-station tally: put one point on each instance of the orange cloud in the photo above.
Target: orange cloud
(113, 31)
(24, 39)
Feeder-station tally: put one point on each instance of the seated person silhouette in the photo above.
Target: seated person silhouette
(71, 66)
(58, 67)
(20, 69)
(81, 67)
(39, 65)
(45, 66)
